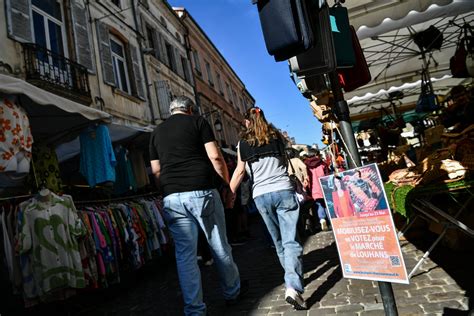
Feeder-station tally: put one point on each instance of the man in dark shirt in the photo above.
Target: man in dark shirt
(184, 156)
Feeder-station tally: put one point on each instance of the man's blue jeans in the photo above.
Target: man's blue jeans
(280, 212)
(185, 212)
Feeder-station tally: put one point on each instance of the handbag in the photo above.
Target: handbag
(359, 75)
(427, 101)
(321, 58)
(286, 27)
(342, 35)
(301, 193)
(457, 63)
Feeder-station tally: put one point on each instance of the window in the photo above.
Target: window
(242, 106)
(117, 3)
(197, 64)
(209, 74)
(150, 42)
(219, 83)
(170, 54)
(48, 26)
(119, 62)
(184, 64)
(229, 93)
(163, 22)
(234, 96)
(49, 33)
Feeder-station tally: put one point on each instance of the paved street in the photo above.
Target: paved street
(155, 290)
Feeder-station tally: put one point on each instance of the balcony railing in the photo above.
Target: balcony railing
(56, 73)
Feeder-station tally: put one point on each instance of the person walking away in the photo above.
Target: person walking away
(183, 154)
(261, 154)
(317, 168)
(297, 168)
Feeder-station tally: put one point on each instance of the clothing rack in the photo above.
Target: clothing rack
(16, 197)
(116, 199)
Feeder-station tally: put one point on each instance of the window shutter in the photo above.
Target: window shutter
(137, 72)
(190, 73)
(81, 34)
(19, 20)
(105, 53)
(164, 100)
(164, 56)
(157, 44)
(179, 65)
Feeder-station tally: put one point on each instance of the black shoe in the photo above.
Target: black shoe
(244, 288)
(237, 242)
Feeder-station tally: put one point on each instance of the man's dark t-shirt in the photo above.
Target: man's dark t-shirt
(178, 143)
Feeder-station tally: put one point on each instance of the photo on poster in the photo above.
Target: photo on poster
(363, 226)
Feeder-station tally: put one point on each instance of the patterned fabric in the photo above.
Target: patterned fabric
(15, 138)
(48, 236)
(47, 167)
(97, 155)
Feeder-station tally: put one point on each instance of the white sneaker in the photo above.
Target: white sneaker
(324, 225)
(209, 262)
(295, 299)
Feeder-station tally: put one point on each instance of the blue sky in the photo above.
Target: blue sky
(234, 28)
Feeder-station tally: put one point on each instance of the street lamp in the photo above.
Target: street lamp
(217, 122)
(218, 125)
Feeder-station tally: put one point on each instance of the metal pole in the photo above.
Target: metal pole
(342, 113)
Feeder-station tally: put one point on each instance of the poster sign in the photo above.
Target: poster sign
(363, 226)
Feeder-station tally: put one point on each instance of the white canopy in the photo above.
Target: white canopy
(51, 117)
(385, 29)
(117, 133)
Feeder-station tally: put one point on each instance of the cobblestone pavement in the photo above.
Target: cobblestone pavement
(155, 290)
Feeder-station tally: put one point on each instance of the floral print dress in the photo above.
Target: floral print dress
(15, 138)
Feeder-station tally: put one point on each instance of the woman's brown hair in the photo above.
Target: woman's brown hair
(259, 132)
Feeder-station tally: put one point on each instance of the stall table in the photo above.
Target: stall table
(460, 192)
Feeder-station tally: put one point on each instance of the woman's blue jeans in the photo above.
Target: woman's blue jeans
(280, 212)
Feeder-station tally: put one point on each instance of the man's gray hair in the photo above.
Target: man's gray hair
(181, 103)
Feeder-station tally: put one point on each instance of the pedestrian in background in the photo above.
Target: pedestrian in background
(261, 154)
(317, 168)
(184, 155)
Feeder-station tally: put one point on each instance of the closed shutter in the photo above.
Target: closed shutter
(179, 64)
(189, 72)
(157, 44)
(137, 72)
(81, 34)
(105, 53)
(19, 20)
(164, 100)
(164, 56)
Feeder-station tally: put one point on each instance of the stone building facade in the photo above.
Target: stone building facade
(220, 94)
(167, 63)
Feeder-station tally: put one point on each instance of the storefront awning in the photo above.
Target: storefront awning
(118, 133)
(51, 116)
(385, 29)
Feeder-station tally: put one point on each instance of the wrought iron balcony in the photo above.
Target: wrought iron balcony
(56, 73)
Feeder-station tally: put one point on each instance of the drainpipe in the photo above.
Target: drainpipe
(97, 99)
(142, 57)
(187, 45)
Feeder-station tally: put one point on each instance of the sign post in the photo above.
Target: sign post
(341, 111)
